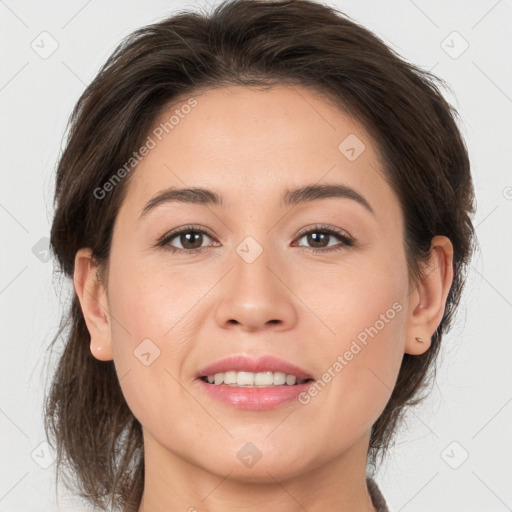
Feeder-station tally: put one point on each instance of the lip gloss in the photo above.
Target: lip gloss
(254, 398)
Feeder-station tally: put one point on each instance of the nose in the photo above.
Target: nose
(256, 295)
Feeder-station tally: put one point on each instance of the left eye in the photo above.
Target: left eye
(191, 239)
(318, 236)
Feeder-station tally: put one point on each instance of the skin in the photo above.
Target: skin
(305, 307)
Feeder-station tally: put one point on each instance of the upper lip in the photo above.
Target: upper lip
(247, 364)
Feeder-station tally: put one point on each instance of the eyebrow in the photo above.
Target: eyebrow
(206, 197)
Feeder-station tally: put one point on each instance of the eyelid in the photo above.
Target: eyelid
(169, 235)
(324, 227)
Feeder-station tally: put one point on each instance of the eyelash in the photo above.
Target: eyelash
(346, 240)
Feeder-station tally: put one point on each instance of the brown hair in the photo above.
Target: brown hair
(249, 43)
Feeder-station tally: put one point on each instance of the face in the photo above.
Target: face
(316, 282)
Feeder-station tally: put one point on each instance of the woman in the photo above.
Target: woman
(266, 214)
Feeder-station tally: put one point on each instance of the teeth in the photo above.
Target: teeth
(250, 379)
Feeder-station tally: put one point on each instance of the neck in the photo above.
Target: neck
(173, 483)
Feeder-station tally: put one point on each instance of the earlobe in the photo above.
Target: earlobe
(92, 296)
(427, 303)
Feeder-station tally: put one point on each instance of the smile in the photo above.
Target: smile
(250, 379)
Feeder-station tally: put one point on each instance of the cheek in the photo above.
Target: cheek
(365, 312)
(153, 323)
(152, 300)
(363, 300)
(144, 311)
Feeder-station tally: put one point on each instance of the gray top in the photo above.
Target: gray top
(377, 498)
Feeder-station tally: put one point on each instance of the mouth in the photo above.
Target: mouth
(242, 379)
(256, 397)
(240, 370)
(253, 384)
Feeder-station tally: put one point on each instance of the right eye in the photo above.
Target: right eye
(189, 237)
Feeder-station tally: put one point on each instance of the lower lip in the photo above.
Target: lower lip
(256, 399)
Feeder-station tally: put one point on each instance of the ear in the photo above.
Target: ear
(427, 301)
(93, 300)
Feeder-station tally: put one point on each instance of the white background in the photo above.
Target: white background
(471, 402)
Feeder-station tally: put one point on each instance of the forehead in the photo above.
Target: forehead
(250, 145)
